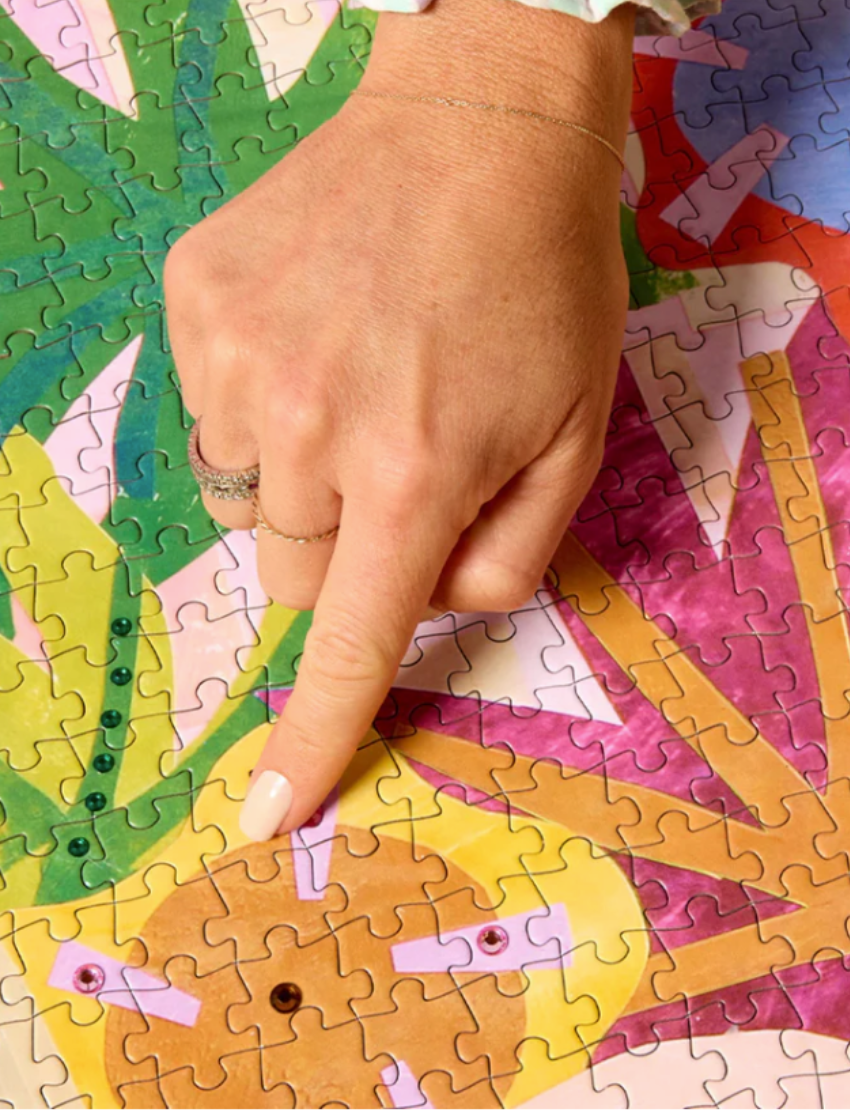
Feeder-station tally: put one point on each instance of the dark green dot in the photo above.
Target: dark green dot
(78, 846)
(95, 801)
(104, 762)
(122, 626)
(121, 676)
(110, 718)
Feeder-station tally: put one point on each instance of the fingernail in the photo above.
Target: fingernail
(266, 806)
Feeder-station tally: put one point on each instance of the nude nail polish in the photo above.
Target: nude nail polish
(268, 802)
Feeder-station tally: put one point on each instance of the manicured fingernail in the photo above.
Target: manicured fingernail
(266, 806)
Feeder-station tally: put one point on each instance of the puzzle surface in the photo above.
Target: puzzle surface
(595, 852)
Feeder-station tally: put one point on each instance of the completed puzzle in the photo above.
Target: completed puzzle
(595, 852)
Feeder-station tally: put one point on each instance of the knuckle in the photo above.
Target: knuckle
(461, 511)
(502, 588)
(226, 513)
(181, 266)
(296, 418)
(589, 455)
(310, 746)
(214, 511)
(190, 387)
(338, 656)
(228, 350)
(191, 398)
(398, 486)
(302, 600)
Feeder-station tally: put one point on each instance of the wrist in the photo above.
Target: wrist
(510, 53)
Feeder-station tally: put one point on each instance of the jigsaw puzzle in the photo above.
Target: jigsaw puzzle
(595, 852)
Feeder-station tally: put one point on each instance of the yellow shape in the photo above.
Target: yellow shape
(606, 919)
(30, 711)
(51, 540)
(778, 418)
(546, 865)
(754, 769)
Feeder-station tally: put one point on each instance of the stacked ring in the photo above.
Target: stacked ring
(225, 485)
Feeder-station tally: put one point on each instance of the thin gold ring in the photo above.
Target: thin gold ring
(260, 518)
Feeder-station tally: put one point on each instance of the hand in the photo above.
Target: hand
(413, 323)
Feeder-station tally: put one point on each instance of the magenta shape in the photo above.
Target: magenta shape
(809, 996)
(123, 986)
(312, 846)
(403, 1088)
(540, 939)
(275, 698)
(684, 906)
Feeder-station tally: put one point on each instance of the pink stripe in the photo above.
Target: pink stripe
(710, 203)
(82, 37)
(403, 1087)
(668, 317)
(123, 986)
(28, 636)
(50, 26)
(534, 938)
(312, 846)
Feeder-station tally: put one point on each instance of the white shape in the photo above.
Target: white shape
(399, 5)
(206, 636)
(507, 665)
(738, 313)
(243, 576)
(738, 291)
(286, 35)
(80, 40)
(765, 298)
(670, 378)
(742, 1069)
(105, 51)
(82, 446)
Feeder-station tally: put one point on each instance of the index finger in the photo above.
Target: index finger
(385, 566)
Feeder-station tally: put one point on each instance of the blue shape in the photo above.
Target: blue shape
(824, 34)
(720, 107)
(838, 122)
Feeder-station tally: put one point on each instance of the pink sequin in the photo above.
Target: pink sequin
(492, 940)
(89, 978)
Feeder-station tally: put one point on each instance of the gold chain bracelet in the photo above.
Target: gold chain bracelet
(451, 102)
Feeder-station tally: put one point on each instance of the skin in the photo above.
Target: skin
(414, 323)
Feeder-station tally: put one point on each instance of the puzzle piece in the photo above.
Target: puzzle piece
(593, 852)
